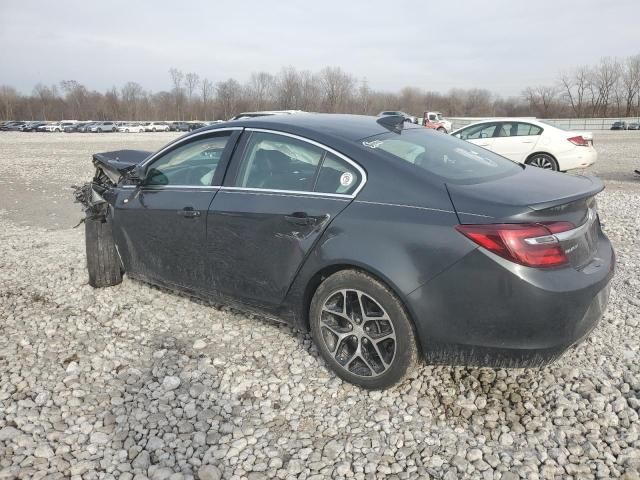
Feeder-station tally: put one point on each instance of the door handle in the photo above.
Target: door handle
(189, 212)
(300, 218)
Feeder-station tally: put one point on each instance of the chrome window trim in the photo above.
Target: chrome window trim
(363, 173)
(401, 205)
(178, 143)
(172, 187)
(286, 193)
(295, 192)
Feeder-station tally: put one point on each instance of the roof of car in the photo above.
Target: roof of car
(346, 127)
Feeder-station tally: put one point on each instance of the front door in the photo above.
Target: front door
(160, 227)
(280, 194)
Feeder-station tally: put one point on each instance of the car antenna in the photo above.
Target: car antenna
(393, 123)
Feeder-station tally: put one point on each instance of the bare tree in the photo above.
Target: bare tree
(288, 89)
(337, 88)
(260, 90)
(177, 77)
(228, 96)
(575, 86)
(206, 92)
(132, 94)
(192, 81)
(540, 99)
(630, 82)
(8, 100)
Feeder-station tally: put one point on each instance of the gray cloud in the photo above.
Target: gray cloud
(497, 44)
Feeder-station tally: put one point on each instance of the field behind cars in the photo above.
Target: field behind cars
(137, 380)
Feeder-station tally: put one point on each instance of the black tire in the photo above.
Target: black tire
(99, 130)
(153, 129)
(405, 355)
(103, 262)
(542, 160)
(442, 130)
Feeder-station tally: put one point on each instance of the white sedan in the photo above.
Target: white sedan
(532, 142)
(131, 127)
(156, 127)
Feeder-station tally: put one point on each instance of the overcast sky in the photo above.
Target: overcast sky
(501, 45)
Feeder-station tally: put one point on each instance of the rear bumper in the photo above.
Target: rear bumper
(487, 311)
(578, 157)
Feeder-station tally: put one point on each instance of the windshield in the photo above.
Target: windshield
(449, 158)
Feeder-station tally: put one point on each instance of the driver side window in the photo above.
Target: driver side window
(191, 164)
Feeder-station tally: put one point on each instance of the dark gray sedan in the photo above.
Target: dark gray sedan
(387, 241)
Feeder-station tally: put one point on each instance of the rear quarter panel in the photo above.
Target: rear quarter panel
(402, 246)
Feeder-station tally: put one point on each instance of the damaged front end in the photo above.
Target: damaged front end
(112, 168)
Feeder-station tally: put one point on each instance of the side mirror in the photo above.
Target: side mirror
(136, 175)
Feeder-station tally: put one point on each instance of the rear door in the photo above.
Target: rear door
(515, 140)
(279, 195)
(160, 227)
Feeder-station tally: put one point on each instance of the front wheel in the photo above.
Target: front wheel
(543, 160)
(103, 262)
(99, 130)
(442, 130)
(153, 129)
(362, 330)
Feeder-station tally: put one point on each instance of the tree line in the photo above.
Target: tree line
(608, 88)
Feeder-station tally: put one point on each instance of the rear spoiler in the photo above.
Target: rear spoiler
(597, 186)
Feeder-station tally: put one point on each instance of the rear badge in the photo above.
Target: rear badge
(346, 179)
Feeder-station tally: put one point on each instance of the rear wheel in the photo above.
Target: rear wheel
(362, 330)
(153, 129)
(442, 130)
(103, 262)
(542, 160)
(99, 130)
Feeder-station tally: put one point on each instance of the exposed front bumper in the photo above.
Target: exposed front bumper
(487, 311)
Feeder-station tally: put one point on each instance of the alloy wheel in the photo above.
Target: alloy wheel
(541, 161)
(358, 333)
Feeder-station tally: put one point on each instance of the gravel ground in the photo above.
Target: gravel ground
(137, 382)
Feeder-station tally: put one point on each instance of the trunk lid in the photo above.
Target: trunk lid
(536, 196)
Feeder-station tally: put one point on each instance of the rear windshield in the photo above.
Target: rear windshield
(451, 159)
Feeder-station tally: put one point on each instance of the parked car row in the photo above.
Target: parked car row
(73, 126)
(621, 125)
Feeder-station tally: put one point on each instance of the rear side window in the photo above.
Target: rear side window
(336, 176)
(517, 129)
(278, 162)
(444, 156)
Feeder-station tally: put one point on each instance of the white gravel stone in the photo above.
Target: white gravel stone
(170, 383)
(209, 472)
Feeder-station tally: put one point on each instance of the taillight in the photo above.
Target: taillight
(528, 244)
(579, 140)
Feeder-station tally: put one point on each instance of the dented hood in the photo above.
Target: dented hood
(118, 162)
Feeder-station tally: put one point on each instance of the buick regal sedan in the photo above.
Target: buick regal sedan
(387, 241)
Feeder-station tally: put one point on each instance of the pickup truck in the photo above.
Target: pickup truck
(443, 125)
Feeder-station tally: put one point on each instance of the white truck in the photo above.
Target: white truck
(443, 125)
